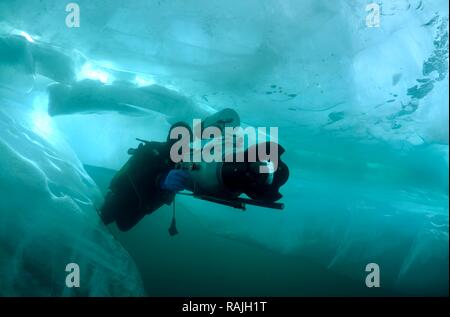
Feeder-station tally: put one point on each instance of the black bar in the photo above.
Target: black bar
(264, 204)
(231, 203)
(238, 306)
(238, 203)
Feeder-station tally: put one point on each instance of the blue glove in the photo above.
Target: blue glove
(175, 181)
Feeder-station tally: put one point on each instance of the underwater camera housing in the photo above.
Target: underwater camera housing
(224, 181)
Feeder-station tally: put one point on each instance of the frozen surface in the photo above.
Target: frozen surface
(362, 113)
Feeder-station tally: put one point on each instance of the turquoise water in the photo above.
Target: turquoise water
(365, 209)
(360, 99)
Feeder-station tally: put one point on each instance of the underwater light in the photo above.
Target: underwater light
(40, 119)
(89, 71)
(42, 123)
(27, 36)
(24, 34)
(142, 81)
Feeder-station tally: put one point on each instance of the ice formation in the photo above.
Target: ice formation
(362, 112)
(48, 216)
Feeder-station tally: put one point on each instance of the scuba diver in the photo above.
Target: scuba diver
(145, 183)
(150, 178)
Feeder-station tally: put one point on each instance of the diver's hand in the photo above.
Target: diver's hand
(175, 181)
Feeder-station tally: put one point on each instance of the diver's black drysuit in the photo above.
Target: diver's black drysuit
(135, 190)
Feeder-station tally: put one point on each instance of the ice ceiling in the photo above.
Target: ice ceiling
(352, 104)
